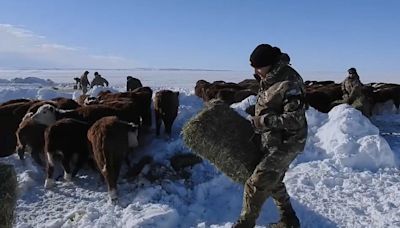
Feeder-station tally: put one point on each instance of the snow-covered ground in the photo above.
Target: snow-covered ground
(347, 176)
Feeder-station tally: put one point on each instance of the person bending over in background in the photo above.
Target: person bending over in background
(351, 85)
(98, 80)
(355, 93)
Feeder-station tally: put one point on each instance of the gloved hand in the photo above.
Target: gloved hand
(258, 78)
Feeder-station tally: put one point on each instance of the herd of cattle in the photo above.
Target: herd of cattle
(106, 128)
(320, 95)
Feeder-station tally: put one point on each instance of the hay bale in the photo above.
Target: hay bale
(222, 136)
(8, 194)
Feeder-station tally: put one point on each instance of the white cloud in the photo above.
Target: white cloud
(57, 47)
(23, 48)
(18, 31)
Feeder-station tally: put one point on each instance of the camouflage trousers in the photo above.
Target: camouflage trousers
(266, 181)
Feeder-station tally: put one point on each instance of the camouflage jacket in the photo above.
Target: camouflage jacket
(99, 81)
(280, 105)
(351, 88)
(84, 80)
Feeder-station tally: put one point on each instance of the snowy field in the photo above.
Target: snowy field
(347, 176)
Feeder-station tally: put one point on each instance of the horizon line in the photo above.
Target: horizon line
(94, 68)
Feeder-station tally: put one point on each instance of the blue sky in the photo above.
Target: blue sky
(322, 37)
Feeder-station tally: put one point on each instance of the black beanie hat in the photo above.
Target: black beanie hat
(352, 70)
(285, 57)
(264, 55)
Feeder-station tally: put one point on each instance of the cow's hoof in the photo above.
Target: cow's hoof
(49, 183)
(113, 196)
(67, 177)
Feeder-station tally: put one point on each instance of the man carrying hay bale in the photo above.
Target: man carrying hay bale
(280, 120)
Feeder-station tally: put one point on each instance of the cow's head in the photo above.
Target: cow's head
(46, 114)
(90, 101)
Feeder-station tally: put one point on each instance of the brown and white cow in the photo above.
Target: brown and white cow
(60, 102)
(10, 118)
(19, 100)
(66, 141)
(111, 139)
(200, 88)
(128, 111)
(141, 97)
(31, 134)
(322, 97)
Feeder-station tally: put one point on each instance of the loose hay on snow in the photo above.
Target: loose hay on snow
(8, 194)
(222, 136)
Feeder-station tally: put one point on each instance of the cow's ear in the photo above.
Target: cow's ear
(177, 93)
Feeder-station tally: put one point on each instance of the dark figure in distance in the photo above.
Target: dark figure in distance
(84, 82)
(98, 80)
(132, 83)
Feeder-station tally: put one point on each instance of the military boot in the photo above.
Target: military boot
(286, 223)
(288, 220)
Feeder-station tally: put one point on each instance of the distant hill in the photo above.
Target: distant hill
(30, 80)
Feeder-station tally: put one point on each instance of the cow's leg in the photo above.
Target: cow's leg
(111, 176)
(67, 168)
(146, 118)
(21, 151)
(168, 126)
(50, 171)
(36, 156)
(127, 160)
(158, 122)
(81, 160)
(111, 184)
